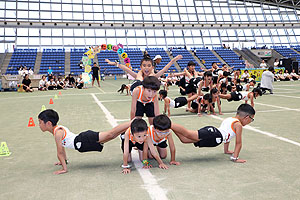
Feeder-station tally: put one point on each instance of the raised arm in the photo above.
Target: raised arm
(162, 71)
(123, 67)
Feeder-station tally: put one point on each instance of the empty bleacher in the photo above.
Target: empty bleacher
(187, 57)
(75, 58)
(54, 58)
(230, 57)
(206, 57)
(165, 58)
(21, 57)
(106, 68)
(135, 55)
(287, 52)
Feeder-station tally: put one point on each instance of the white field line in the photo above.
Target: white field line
(279, 107)
(101, 90)
(151, 185)
(264, 133)
(195, 115)
(286, 96)
(285, 89)
(41, 96)
(287, 85)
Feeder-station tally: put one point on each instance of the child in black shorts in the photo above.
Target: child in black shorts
(144, 99)
(84, 142)
(210, 136)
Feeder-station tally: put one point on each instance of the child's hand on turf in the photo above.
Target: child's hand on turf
(147, 166)
(62, 171)
(163, 166)
(57, 163)
(220, 113)
(174, 163)
(126, 171)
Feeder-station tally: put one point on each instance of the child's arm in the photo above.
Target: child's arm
(226, 148)
(146, 164)
(212, 109)
(135, 94)
(172, 150)
(251, 99)
(219, 106)
(167, 107)
(61, 154)
(162, 71)
(156, 106)
(125, 166)
(238, 143)
(199, 107)
(155, 154)
(123, 67)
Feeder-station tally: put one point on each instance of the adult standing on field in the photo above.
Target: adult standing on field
(95, 74)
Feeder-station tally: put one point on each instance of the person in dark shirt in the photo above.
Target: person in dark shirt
(26, 84)
(71, 81)
(95, 74)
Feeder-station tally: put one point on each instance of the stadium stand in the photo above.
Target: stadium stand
(230, 57)
(165, 58)
(106, 68)
(21, 57)
(206, 57)
(54, 58)
(187, 57)
(75, 58)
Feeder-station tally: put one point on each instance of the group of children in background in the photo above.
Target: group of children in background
(204, 88)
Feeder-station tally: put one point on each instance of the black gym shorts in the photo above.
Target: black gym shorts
(88, 141)
(209, 137)
(147, 108)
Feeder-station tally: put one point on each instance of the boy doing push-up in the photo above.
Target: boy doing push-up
(210, 136)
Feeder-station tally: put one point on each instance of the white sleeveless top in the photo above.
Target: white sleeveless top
(68, 138)
(172, 102)
(226, 129)
(245, 95)
(151, 133)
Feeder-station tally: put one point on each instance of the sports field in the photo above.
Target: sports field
(271, 147)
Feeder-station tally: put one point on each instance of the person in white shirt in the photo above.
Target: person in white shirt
(210, 136)
(79, 83)
(287, 76)
(43, 83)
(276, 62)
(263, 64)
(51, 84)
(267, 79)
(294, 75)
(30, 71)
(245, 76)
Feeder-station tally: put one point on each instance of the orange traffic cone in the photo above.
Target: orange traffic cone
(31, 122)
(51, 101)
(59, 93)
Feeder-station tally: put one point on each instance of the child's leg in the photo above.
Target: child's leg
(193, 97)
(225, 96)
(113, 133)
(150, 119)
(185, 135)
(162, 152)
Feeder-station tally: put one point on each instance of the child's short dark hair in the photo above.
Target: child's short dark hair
(147, 59)
(238, 80)
(49, 115)
(138, 125)
(214, 90)
(253, 81)
(208, 73)
(162, 122)
(191, 63)
(164, 93)
(208, 97)
(213, 63)
(245, 109)
(151, 82)
(259, 92)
